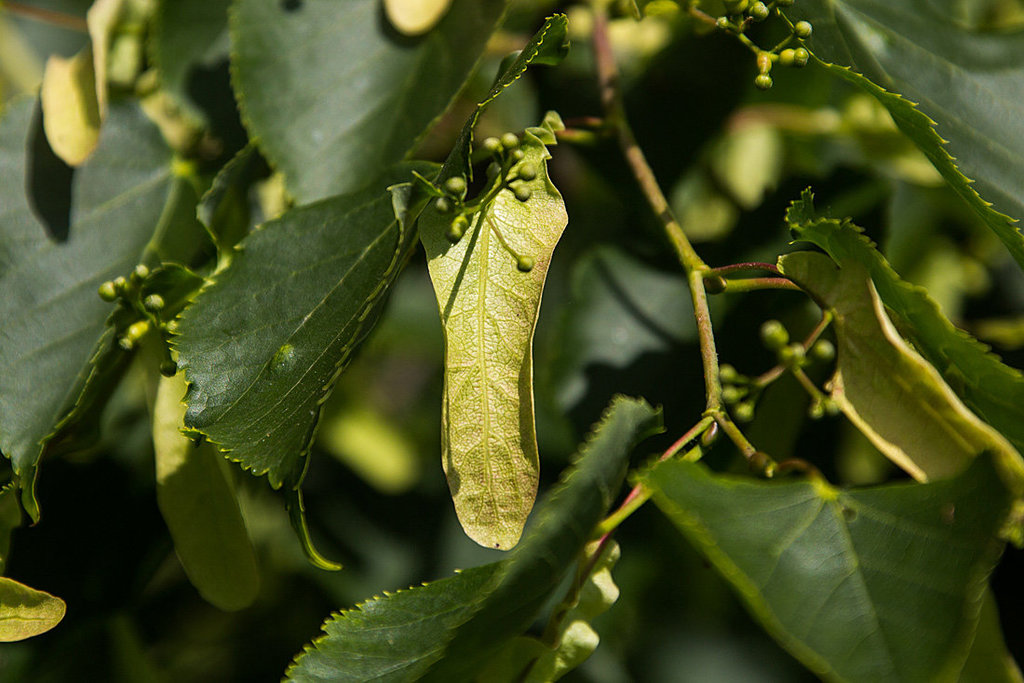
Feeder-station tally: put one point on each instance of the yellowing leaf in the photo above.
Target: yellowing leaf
(892, 394)
(71, 111)
(374, 447)
(489, 311)
(26, 612)
(197, 500)
(415, 17)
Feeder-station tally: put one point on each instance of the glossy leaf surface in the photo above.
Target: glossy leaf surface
(489, 311)
(328, 131)
(970, 83)
(874, 584)
(264, 341)
(197, 500)
(448, 629)
(53, 319)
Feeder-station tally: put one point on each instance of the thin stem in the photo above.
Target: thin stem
(702, 16)
(615, 116)
(46, 16)
(809, 386)
(743, 268)
(734, 434)
(753, 284)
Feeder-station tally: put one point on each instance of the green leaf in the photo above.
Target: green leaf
(893, 395)
(489, 311)
(53, 319)
(196, 497)
(991, 389)
(266, 338)
(10, 519)
(989, 661)
(330, 133)
(876, 584)
(913, 49)
(447, 630)
(26, 612)
(224, 208)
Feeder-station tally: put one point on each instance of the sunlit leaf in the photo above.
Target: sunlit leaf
(489, 310)
(893, 395)
(26, 612)
(448, 630)
(196, 497)
(53, 321)
(991, 389)
(331, 133)
(971, 83)
(414, 17)
(874, 584)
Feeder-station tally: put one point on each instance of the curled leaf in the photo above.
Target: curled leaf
(26, 612)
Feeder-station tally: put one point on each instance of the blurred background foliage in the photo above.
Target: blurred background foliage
(616, 319)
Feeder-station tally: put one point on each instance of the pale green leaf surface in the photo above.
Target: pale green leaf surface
(53, 319)
(266, 338)
(197, 500)
(971, 84)
(26, 612)
(447, 630)
(489, 311)
(71, 113)
(893, 395)
(876, 584)
(327, 131)
(989, 661)
(990, 388)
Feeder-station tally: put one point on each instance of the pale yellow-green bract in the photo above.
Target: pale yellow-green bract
(893, 395)
(26, 612)
(489, 310)
(415, 17)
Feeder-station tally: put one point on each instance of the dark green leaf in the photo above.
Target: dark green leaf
(265, 340)
(53, 319)
(991, 389)
(970, 83)
(328, 132)
(224, 208)
(876, 584)
(989, 661)
(10, 519)
(448, 629)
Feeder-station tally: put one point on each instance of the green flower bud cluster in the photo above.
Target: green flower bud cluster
(742, 13)
(139, 312)
(739, 393)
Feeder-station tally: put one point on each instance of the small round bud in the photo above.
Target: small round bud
(823, 350)
(722, 23)
(153, 303)
(816, 411)
(522, 193)
(509, 140)
(141, 272)
(525, 264)
(764, 62)
(457, 229)
(831, 407)
(774, 334)
(455, 185)
(733, 394)
(492, 145)
(787, 57)
(803, 29)
(800, 57)
(493, 169)
(107, 291)
(728, 374)
(171, 327)
(168, 368)
(518, 154)
(792, 355)
(758, 11)
(527, 171)
(126, 344)
(121, 284)
(743, 412)
(443, 205)
(137, 330)
(763, 81)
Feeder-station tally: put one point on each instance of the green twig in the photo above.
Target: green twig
(59, 19)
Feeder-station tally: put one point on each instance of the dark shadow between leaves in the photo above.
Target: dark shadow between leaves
(48, 183)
